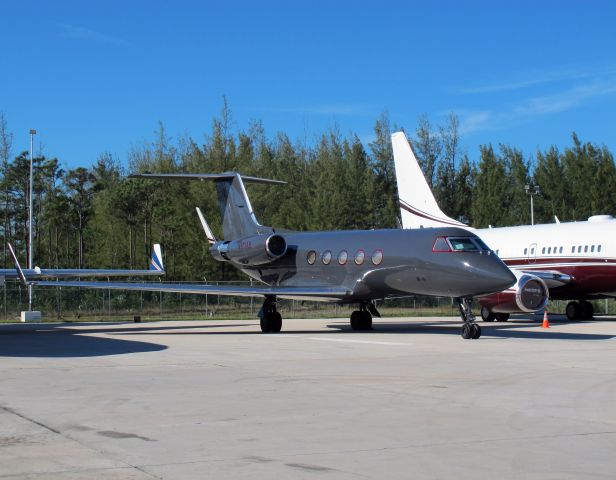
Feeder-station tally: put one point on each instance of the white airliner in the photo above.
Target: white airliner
(575, 260)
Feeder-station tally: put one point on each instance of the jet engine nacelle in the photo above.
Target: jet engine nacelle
(529, 294)
(255, 250)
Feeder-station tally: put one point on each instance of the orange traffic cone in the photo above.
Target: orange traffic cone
(546, 322)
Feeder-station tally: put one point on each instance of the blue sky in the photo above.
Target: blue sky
(97, 76)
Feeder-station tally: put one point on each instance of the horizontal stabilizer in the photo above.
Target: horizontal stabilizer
(205, 176)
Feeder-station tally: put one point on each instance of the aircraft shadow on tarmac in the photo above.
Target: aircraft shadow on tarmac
(517, 328)
(57, 341)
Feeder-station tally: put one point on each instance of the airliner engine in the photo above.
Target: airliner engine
(529, 294)
(254, 250)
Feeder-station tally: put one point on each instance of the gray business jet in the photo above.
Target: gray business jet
(346, 267)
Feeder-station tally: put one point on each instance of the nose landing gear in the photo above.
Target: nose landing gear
(469, 329)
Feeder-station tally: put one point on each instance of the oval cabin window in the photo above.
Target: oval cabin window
(342, 257)
(311, 257)
(327, 257)
(359, 257)
(377, 257)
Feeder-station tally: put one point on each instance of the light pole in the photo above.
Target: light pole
(32, 133)
(532, 190)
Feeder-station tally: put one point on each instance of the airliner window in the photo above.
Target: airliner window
(592, 249)
(585, 248)
(342, 257)
(377, 257)
(532, 251)
(326, 257)
(573, 249)
(599, 248)
(463, 244)
(311, 257)
(560, 250)
(525, 251)
(579, 248)
(549, 250)
(543, 251)
(359, 257)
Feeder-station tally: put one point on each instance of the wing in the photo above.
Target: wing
(322, 294)
(156, 269)
(551, 278)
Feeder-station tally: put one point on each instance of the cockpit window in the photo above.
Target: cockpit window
(441, 245)
(463, 244)
(459, 244)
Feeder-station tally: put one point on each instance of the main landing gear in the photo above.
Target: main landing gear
(271, 320)
(362, 319)
(469, 329)
(582, 310)
(488, 315)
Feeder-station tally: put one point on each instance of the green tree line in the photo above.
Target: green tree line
(95, 217)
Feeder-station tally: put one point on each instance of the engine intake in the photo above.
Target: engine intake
(529, 294)
(255, 250)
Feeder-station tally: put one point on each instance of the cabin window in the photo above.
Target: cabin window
(543, 251)
(598, 248)
(359, 257)
(525, 251)
(342, 257)
(585, 248)
(579, 248)
(549, 250)
(326, 257)
(573, 249)
(532, 251)
(592, 249)
(377, 257)
(311, 257)
(560, 250)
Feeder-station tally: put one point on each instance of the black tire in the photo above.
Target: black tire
(502, 317)
(476, 330)
(265, 324)
(276, 323)
(487, 315)
(467, 331)
(587, 310)
(573, 311)
(271, 322)
(366, 320)
(356, 320)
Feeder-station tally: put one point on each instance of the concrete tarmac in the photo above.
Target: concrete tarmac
(218, 399)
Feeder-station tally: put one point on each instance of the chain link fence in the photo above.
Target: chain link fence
(71, 304)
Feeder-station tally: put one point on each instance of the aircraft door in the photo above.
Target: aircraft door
(531, 254)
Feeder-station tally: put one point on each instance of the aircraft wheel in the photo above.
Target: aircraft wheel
(573, 311)
(366, 320)
(356, 320)
(271, 322)
(476, 330)
(487, 315)
(502, 317)
(587, 310)
(467, 331)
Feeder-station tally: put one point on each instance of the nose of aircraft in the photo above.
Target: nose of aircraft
(490, 273)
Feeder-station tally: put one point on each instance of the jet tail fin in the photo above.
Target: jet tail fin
(238, 218)
(418, 207)
(156, 262)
